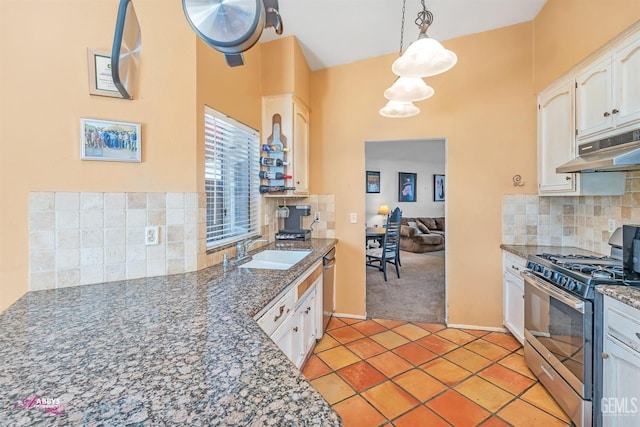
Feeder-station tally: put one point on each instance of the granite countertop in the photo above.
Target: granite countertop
(629, 295)
(524, 251)
(171, 350)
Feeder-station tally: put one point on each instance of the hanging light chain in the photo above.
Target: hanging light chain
(404, 5)
(425, 18)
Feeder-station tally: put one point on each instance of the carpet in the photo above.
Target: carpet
(417, 296)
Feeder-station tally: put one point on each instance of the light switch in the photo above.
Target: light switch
(354, 217)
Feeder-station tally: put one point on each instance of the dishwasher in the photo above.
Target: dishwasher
(329, 263)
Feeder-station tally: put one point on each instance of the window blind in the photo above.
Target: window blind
(232, 163)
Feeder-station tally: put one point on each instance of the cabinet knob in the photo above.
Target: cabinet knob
(307, 310)
(275, 319)
(615, 111)
(606, 114)
(295, 329)
(514, 267)
(605, 355)
(567, 178)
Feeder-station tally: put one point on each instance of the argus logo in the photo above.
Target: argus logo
(50, 406)
(619, 406)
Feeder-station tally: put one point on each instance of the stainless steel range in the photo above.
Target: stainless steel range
(559, 323)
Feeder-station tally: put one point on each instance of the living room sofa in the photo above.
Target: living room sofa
(422, 234)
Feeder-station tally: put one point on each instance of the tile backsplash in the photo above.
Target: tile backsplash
(582, 221)
(78, 238)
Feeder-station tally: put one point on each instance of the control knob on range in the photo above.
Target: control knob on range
(562, 281)
(571, 285)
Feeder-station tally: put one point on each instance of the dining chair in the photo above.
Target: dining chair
(389, 252)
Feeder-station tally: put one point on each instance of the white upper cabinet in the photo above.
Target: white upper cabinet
(555, 138)
(608, 92)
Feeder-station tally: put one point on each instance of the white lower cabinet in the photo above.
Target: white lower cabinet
(620, 405)
(296, 330)
(513, 295)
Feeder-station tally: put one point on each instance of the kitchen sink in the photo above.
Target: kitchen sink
(275, 259)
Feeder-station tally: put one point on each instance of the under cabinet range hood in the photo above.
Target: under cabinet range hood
(615, 154)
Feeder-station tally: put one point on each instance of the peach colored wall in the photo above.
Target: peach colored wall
(567, 31)
(44, 87)
(285, 69)
(485, 108)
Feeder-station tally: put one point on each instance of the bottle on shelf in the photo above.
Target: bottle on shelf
(273, 175)
(274, 188)
(272, 148)
(268, 161)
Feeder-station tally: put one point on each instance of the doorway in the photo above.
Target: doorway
(419, 295)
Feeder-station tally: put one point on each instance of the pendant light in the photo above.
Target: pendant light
(397, 109)
(426, 56)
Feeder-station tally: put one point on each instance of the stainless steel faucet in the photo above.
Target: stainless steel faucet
(243, 248)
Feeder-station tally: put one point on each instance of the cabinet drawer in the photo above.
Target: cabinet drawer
(278, 312)
(622, 322)
(513, 263)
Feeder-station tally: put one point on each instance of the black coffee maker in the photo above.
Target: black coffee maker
(631, 254)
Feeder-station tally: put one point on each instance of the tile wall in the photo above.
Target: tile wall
(582, 221)
(82, 238)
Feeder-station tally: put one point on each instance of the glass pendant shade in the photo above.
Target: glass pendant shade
(409, 89)
(395, 109)
(423, 58)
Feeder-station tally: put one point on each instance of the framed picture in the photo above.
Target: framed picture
(373, 182)
(110, 141)
(406, 187)
(100, 77)
(438, 188)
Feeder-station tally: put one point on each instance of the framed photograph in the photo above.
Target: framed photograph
(406, 187)
(100, 77)
(373, 182)
(110, 141)
(438, 188)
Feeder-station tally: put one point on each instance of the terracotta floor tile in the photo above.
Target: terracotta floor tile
(495, 422)
(456, 335)
(345, 334)
(522, 414)
(467, 359)
(436, 344)
(334, 323)
(325, 343)
(431, 327)
(315, 368)
(369, 327)
(357, 412)
(507, 379)
(350, 321)
(332, 388)
(390, 364)
(540, 397)
(390, 323)
(457, 409)
(445, 371)
(389, 339)
(390, 399)
(421, 385)
(476, 332)
(365, 348)
(520, 351)
(411, 331)
(420, 417)
(414, 353)
(361, 375)
(516, 362)
(484, 393)
(504, 340)
(489, 350)
(338, 357)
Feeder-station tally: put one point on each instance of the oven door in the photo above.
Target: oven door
(560, 327)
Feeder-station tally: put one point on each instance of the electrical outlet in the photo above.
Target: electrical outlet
(612, 225)
(354, 218)
(151, 235)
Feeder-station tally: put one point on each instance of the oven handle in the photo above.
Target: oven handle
(543, 286)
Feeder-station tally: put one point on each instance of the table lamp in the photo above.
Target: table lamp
(384, 210)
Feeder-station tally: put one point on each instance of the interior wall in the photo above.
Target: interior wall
(45, 92)
(424, 158)
(486, 111)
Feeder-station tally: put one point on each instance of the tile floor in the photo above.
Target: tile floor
(390, 373)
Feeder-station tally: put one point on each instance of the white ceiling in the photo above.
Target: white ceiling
(336, 32)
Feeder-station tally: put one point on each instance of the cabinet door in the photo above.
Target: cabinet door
(287, 337)
(300, 149)
(555, 138)
(513, 309)
(621, 389)
(308, 323)
(594, 98)
(627, 83)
